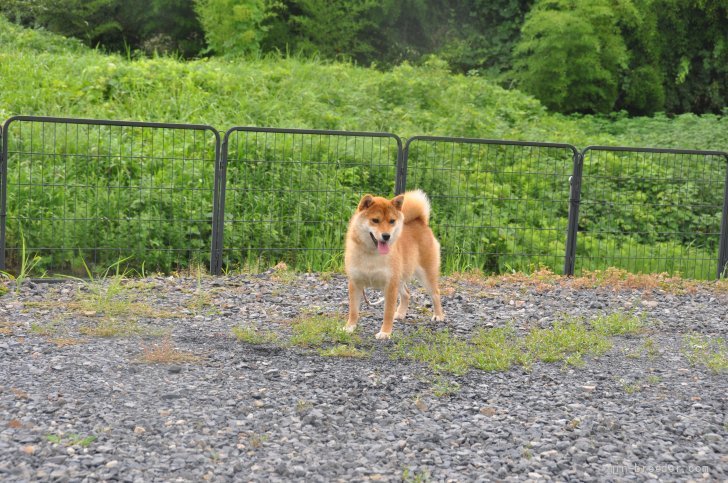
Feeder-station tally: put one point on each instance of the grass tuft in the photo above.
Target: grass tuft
(344, 350)
(254, 336)
(711, 352)
(166, 353)
(319, 330)
(567, 341)
(619, 323)
(497, 350)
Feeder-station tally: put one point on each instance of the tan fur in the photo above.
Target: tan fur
(411, 251)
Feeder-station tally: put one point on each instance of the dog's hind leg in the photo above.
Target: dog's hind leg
(432, 285)
(404, 298)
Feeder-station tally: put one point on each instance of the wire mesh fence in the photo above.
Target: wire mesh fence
(288, 193)
(78, 192)
(652, 211)
(497, 205)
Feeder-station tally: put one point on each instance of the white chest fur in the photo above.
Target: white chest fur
(370, 270)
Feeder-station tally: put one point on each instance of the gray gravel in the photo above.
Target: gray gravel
(91, 411)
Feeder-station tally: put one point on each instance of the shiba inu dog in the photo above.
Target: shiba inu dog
(387, 244)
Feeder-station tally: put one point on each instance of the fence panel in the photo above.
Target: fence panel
(81, 191)
(497, 205)
(289, 193)
(652, 210)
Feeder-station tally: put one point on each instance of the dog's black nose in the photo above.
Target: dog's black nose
(385, 236)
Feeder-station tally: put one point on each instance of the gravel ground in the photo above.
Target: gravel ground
(75, 407)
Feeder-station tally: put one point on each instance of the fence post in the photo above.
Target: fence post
(3, 191)
(218, 210)
(400, 183)
(723, 244)
(574, 201)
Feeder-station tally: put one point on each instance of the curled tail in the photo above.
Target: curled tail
(416, 205)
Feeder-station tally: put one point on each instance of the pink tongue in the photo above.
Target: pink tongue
(383, 248)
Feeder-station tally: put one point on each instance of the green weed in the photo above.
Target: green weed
(254, 336)
(343, 350)
(711, 352)
(567, 341)
(317, 330)
(618, 323)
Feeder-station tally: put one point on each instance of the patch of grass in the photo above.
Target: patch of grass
(28, 263)
(344, 350)
(440, 349)
(46, 330)
(497, 349)
(650, 347)
(653, 379)
(303, 406)
(319, 330)
(711, 352)
(71, 440)
(630, 388)
(256, 440)
(442, 387)
(567, 341)
(254, 336)
(199, 301)
(619, 323)
(283, 274)
(415, 477)
(166, 353)
(620, 279)
(109, 296)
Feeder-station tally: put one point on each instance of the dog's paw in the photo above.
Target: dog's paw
(383, 335)
(399, 316)
(438, 318)
(349, 328)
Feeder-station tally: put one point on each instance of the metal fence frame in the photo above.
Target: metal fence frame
(221, 157)
(722, 255)
(87, 122)
(218, 233)
(573, 202)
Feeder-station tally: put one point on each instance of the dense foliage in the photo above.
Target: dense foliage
(46, 75)
(642, 56)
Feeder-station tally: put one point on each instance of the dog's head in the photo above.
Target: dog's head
(378, 222)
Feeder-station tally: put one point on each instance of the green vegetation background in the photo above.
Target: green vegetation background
(42, 74)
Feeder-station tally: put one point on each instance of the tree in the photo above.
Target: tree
(482, 33)
(232, 26)
(571, 55)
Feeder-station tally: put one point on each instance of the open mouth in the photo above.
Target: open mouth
(382, 246)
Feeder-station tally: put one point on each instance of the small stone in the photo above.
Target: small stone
(589, 388)
(486, 411)
(421, 405)
(28, 449)
(112, 464)
(139, 430)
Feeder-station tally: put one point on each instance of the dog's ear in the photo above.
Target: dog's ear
(398, 201)
(366, 202)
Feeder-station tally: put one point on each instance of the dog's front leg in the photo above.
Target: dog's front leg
(355, 295)
(390, 300)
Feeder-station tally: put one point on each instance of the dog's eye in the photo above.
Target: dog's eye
(375, 220)
(391, 222)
